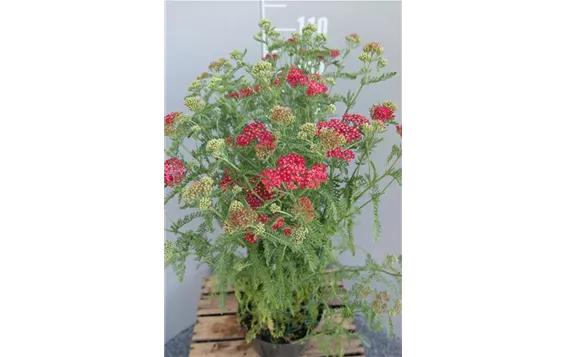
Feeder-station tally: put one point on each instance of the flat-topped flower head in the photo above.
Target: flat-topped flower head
(171, 121)
(373, 48)
(282, 115)
(216, 147)
(174, 171)
(353, 39)
(365, 57)
(195, 103)
(236, 55)
(309, 30)
(264, 24)
(195, 85)
(262, 70)
(381, 113)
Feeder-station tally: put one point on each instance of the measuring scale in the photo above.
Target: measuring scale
(298, 23)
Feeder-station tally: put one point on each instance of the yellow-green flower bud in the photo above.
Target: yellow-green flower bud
(367, 128)
(216, 147)
(381, 62)
(195, 85)
(274, 207)
(207, 184)
(262, 69)
(264, 24)
(190, 193)
(273, 34)
(236, 55)
(309, 30)
(331, 109)
(259, 229)
(236, 206)
(299, 234)
(353, 39)
(236, 189)
(389, 104)
(321, 37)
(365, 57)
(204, 204)
(331, 80)
(214, 82)
(195, 128)
(246, 82)
(194, 103)
(307, 131)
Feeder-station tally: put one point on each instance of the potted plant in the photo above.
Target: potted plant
(280, 173)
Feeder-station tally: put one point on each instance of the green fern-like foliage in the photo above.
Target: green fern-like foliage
(271, 167)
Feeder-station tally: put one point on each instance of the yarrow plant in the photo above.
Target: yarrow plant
(280, 172)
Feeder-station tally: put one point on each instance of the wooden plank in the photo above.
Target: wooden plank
(227, 327)
(208, 284)
(208, 305)
(244, 349)
(218, 328)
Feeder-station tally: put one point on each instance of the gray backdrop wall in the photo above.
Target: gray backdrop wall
(199, 32)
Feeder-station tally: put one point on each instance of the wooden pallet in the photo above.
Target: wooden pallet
(220, 335)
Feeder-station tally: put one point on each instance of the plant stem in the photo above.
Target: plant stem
(379, 194)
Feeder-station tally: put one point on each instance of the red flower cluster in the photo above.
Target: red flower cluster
(170, 120)
(245, 92)
(250, 237)
(341, 127)
(270, 56)
(279, 224)
(256, 131)
(297, 77)
(293, 173)
(292, 40)
(258, 196)
(316, 88)
(263, 218)
(381, 113)
(399, 128)
(304, 208)
(287, 231)
(356, 119)
(334, 53)
(226, 181)
(174, 171)
(338, 153)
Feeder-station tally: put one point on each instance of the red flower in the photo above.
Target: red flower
(305, 208)
(263, 218)
(334, 53)
(292, 172)
(399, 128)
(381, 113)
(229, 141)
(250, 237)
(174, 171)
(292, 40)
(315, 88)
(170, 120)
(277, 81)
(346, 155)
(296, 77)
(279, 224)
(258, 196)
(226, 181)
(287, 231)
(356, 119)
(270, 56)
(340, 127)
